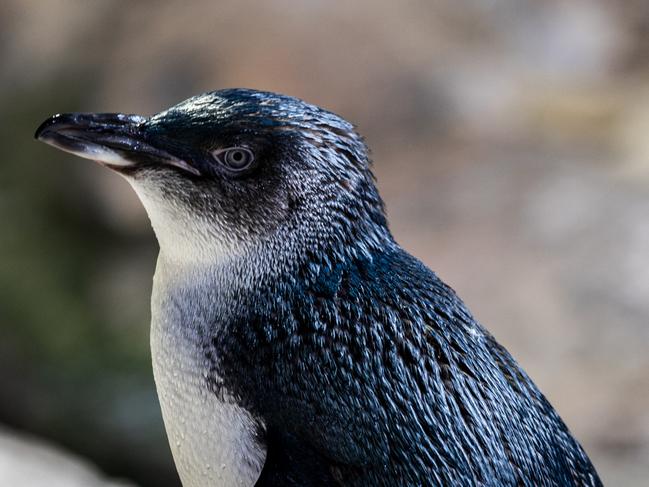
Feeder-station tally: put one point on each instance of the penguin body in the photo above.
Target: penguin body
(294, 342)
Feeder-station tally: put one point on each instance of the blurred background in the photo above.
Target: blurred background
(511, 144)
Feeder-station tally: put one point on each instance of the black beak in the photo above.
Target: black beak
(113, 139)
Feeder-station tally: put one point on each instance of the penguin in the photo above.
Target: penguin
(293, 341)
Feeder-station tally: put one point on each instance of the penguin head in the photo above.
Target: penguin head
(224, 171)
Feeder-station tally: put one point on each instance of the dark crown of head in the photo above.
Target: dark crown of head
(254, 111)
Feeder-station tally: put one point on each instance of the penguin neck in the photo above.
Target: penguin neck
(192, 243)
(195, 257)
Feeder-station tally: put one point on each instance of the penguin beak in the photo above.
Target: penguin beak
(115, 140)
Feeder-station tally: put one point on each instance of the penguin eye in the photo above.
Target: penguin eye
(234, 158)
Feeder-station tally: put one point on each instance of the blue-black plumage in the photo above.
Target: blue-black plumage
(294, 342)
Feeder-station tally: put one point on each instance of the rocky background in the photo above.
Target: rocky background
(511, 144)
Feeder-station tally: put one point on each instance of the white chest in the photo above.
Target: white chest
(212, 440)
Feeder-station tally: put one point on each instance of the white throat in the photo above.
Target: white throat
(184, 239)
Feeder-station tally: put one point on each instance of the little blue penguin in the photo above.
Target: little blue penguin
(294, 342)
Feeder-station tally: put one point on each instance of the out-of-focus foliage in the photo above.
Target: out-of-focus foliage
(510, 143)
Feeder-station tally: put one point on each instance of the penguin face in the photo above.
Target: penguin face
(225, 169)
